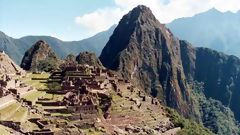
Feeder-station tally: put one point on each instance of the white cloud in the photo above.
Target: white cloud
(226, 5)
(165, 12)
(99, 20)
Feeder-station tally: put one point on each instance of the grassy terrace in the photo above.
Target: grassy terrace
(18, 113)
(9, 110)
(60, 114)
(33, 96)
(38, 84)
(14, 112)
(53, 97)
(4, 130)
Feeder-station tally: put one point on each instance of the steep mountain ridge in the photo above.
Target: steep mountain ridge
(220, 74)
(145, 51)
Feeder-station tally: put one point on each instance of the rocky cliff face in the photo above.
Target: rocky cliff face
(39, 56)
(220, 74)
(88, 58)
(146, 52)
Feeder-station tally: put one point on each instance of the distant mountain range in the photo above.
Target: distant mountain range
(213, 29)
(16, 48)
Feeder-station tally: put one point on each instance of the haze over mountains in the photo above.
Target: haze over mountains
(213, 29)
(16, 48)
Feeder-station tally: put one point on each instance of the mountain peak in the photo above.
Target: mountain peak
(213, 11)
(139, 18)
(141, 9)
(41, 43)
(141, 47)
(140, 14)
(39, 53)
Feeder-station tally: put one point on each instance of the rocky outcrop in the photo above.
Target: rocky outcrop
(88, 58)
(39, 56)
(143, 50)
(7, 66)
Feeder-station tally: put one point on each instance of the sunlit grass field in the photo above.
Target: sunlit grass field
(33, 96)
(38, 84)
(14, 112)
(4, 130)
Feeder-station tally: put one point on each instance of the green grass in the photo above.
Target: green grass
(29, 126)
(4, 130)
(33, 96)
(48, 96)
(58, 97)
(189, 127)
(14, 112)
(9, 110)
(19, 115)
(54, 107)
(29, 76)
(60, 114)
(53, 97)
(38, 84)
(43, 75)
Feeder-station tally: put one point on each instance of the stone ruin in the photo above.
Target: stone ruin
(85, 90)
(9, 85)
(83, 87)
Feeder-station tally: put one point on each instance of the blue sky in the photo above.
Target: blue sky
(78, 19)
(46, 17)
